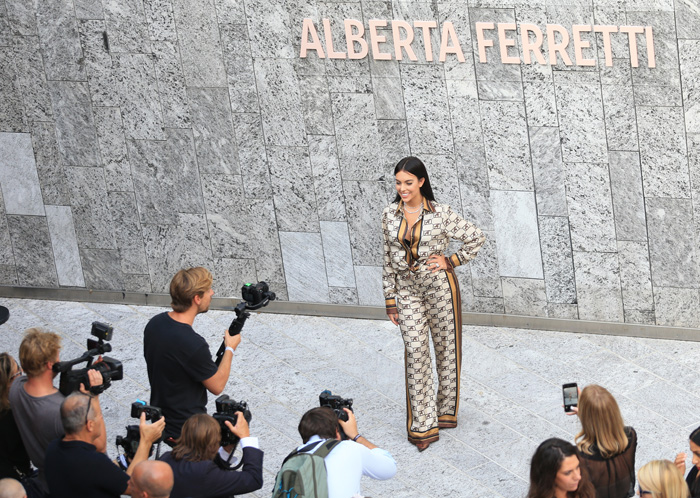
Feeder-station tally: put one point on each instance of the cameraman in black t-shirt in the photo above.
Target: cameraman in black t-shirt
(179, 363)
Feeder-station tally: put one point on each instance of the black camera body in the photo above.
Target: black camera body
(130, 444)
(110, 368)
(335, 403)
(153, 413)
(225, 410)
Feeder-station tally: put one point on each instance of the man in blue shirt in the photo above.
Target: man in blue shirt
(349, 460)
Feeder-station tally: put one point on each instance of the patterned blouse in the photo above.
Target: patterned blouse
(408, 248)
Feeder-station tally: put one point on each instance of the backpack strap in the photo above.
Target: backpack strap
(322, 450)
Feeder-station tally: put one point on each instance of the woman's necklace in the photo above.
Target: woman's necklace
(405, 209)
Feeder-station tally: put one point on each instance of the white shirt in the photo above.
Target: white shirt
(349, 461)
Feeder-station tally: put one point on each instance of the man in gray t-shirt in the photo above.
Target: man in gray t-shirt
(35, 402)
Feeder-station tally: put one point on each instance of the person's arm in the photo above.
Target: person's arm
(389, 276)
(217, 382)
(472, 238)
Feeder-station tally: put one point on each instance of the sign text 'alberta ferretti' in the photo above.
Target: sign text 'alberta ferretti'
(501, 40)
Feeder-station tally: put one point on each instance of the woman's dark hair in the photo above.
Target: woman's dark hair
(695, 486)
(545, 464)
(416, 167)
(6, 363)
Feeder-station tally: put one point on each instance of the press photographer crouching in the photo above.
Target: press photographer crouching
(36, 402)
(200, 471)
(75, 466)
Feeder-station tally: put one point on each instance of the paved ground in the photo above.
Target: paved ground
(511, 388)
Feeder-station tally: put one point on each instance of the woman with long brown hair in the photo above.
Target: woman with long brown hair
(556, 472)
(197, 475)
(14, 461)
(606, 445)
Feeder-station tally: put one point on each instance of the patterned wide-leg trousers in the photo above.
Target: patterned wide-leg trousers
(429, 305)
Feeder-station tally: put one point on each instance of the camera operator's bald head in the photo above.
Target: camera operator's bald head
(152, 479)
(11, 488)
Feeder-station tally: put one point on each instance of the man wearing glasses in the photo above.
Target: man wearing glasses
(75, 467)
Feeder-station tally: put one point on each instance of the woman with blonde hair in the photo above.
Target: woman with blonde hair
(606, 445)
(661, 479)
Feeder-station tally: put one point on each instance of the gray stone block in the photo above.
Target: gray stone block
(200, 44)
(460, 19)
(166, 179)
(388, 98)
(690, 73)
(441, 170)
(65, 246)
(214, 139)
(271, 30)
(316, 102)
(93, 221)
(393, 144)
(12, 117)
(161, 20)
(427, 109)
(663, 152)
(110, 133)
(557, 259)
(252, 155)
(369, 285)
(101, 269)
(635, 275)
(472, 173)
(590, 207)
(548, 171)
(356, 135)
(20, 184)
(75, 128)
(337, 254)
(22, 17)
(687, 18)
(581, 118)
(295, 203)
(342, 295)
(646, 317)
(327, 180)
(565, 311)
(627, 196)
(463, 99)
(524, 296)
(231, 274)
(88, 9)
(52, 175)
(7, 258)
(666, 72)
(598, 286)
(493, 69)
(239, 64)
(128, 236)
(304, 267)
(485, 275)
(139, 99)
(364, 204)
(60, 43)
(127, 26)
(677, 307)
(517, 237)
(510, 91)
(540, 103)
(101, 75)
(674, 262)
(171, 85)
(620, 117)
(280, 102)
(8, 275)
(31, 245)
(507, 147)
(32, 79)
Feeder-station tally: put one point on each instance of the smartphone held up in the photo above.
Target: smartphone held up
(570, 392)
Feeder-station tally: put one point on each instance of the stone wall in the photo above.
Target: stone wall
(141, 136)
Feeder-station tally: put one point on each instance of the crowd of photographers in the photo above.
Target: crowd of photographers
(54, 441)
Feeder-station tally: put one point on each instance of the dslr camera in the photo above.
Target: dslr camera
(130, 442)
(336, 403)
(110, 368)
(255, 296)
(225, 409)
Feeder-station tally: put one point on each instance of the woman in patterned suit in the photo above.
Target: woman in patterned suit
(422, 296)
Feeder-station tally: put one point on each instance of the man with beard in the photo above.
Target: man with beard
(179, 363)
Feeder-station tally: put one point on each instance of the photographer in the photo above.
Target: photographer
(36, 402)
(350, 459)
(179, 363)
(75, 467)
(198, 475)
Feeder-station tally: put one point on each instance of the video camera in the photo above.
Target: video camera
(110, 368)
(336, 403)
(225, 410)
(130, 442)
(255, 296)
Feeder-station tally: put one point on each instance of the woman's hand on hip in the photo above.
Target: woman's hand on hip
(394, 317)
(437, 262)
